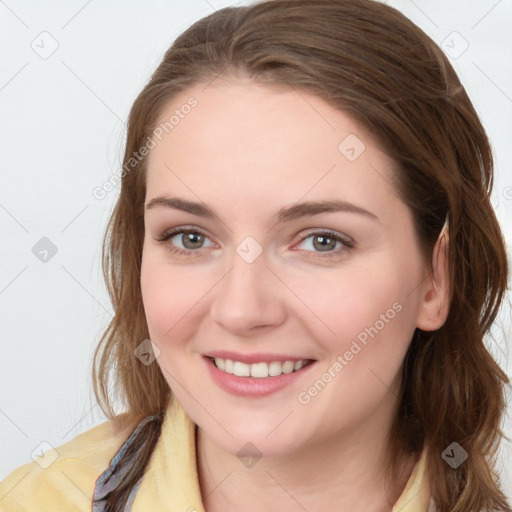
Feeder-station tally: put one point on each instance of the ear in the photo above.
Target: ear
(435, 296)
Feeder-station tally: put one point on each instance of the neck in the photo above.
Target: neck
(348, 470)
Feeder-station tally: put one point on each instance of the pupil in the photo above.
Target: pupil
(324, 246)
(193, 240)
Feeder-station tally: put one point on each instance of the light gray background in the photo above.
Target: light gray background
(62, 130)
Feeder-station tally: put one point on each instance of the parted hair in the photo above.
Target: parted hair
(371, 62)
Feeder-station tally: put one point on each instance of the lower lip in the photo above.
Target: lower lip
(251, 386)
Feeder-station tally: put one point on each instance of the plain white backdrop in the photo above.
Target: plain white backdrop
(69, 72)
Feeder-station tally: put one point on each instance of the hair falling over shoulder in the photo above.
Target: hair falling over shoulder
(370, 61)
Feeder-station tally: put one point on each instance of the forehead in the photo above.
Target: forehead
(277, 144)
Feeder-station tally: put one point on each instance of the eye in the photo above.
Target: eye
(183, 240)
(326, 242)
(187, 241)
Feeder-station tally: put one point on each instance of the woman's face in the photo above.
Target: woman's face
(256, 279)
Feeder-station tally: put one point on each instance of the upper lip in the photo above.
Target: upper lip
(259, 357)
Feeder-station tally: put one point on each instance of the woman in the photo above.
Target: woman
(303, 263)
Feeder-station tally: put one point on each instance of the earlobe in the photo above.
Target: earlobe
(435, 305)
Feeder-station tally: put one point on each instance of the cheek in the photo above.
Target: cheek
(173, 296)
(373, 323)
(367, 322)
(344, 304)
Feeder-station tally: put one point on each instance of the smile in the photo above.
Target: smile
(259, 370)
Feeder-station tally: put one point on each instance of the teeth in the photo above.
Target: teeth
(275, 368)
(241, 369)
(258, 370)
(228, 366)
(288, 367)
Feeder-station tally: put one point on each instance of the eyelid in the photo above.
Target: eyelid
(178, 230)
(326, 231)
(348, 242)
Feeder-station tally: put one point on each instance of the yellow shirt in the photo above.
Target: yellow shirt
(169, 484)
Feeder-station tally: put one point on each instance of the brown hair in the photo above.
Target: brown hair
(368, 60)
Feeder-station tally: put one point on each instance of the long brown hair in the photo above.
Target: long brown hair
(368, 60)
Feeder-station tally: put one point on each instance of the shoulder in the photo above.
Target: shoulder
(63, 478)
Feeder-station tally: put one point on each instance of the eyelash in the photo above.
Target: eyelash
(348, 244)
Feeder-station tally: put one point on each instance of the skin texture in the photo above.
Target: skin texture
(247, 150)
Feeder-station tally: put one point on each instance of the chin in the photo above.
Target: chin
(267, 438)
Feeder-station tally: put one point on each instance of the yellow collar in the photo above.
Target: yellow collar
(172, 472)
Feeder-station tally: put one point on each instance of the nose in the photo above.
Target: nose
(248, 298)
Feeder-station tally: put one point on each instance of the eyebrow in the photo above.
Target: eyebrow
(285, 214)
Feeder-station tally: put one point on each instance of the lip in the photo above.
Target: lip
(259, 357)
(251, 387)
